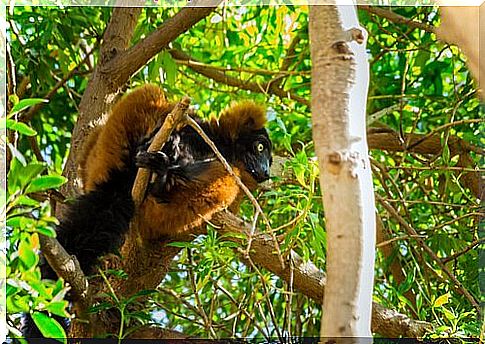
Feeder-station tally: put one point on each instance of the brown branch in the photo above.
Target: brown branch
(67, 267)
(171, 121)
(11, 77)
(310, 281)
(22, 87)
(221, 77)
(389, 140)
(35, 148)
(156, 332)
(443, 127)
(412, 232)
(229, 69)
(462, 252)
(398, 19)
(123, 66)
(100, 92)
(290, 53)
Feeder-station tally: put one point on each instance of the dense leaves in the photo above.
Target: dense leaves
(423, 88)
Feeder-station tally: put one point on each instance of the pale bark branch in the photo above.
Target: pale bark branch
(170, 123)
(340, 79)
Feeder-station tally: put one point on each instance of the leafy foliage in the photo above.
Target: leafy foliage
(27, 217)
(425, 86)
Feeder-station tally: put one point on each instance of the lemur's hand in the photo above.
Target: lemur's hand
(157, 162)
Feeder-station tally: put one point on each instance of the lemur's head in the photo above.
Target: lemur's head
(242, 125)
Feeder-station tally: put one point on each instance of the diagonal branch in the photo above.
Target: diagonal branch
(389, 140)
(67, 267)
(412, 232)
(124, 65)
(221, 77)
(311, 281)
(26, 117)
(171, 121)
(398, 19)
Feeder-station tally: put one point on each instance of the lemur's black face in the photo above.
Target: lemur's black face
(254, 150)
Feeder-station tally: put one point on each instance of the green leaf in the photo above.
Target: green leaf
(446, 154)
(19, 176)
(41, 289)
(20, 127)
(169, 67)
(300, 174)
(441, 300)
(100, 307)
(180, 244)
(45, 182)
(47, 231)
(49, 327)
(16, 304)
(26, 103)
(27, 255)
(58, 308)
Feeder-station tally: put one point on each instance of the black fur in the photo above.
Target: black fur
(95, 223)
(188, 155)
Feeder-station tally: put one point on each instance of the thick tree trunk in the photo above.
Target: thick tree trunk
(339, 91)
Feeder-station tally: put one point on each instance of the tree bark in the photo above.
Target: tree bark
(339, 94)
(464, 26)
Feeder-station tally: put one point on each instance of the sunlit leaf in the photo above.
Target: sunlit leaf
(49, 327)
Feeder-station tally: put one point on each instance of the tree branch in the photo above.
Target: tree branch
(67, 267)
(398, 19)
(127, 63)
(310, 281)
(171, 121)
(221, 77)
(389, 140)
(412, 232)
(100, 92)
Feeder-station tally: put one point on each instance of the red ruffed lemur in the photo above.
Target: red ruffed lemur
(189, 184)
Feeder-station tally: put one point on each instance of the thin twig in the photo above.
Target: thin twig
(27, 116)
(435, 168)
(442, 127)
(229, 169)
(462, 252)
(398, 19)
(412, 232)
(402, 237)
(218, 76)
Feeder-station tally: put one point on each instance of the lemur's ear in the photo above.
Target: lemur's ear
(239, 119)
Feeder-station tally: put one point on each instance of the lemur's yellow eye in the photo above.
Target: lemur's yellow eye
(260, 147)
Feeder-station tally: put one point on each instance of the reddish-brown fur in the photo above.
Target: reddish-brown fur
(137, 115)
